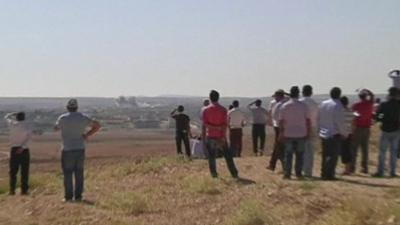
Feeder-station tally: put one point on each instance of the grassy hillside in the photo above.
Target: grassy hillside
(172, 191)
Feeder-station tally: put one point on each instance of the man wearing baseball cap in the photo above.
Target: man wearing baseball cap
(274, 112)
(73, 126)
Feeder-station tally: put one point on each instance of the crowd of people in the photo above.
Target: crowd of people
(298, 122)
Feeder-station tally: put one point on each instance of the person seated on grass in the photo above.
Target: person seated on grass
(20, 135)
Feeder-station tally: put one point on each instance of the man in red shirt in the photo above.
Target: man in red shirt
(363, 111)
(215, 123)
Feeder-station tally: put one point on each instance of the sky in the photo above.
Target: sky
(243, 48)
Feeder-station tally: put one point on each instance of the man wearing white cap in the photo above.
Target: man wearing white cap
(73, 126)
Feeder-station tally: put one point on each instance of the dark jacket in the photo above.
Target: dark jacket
(388, 114)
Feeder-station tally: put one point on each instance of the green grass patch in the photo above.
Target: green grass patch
(363, 211)
(308, 186)
(146, 166)
(45, 181)
(126, 202)
(202, 185)
(4, 188)
(250, 212)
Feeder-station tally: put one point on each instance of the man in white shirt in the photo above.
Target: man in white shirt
(206, 103)
(236, 122)
(294, 129)
(331, 126)
(259, 115)
(312, 105)
(20, 135)
(274, 111)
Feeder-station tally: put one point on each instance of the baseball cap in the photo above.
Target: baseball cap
(279, 92)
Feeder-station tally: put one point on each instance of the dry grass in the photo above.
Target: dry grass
(363, 211)
(173, 191)
(250, 212)
(127, 202)
(202, 185)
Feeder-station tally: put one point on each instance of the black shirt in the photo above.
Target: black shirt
(388, 114)
(182, 122)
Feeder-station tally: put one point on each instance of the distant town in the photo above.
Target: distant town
(124, 112)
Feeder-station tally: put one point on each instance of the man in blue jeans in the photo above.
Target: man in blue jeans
(215, 123)
(294, 123)
(388, 114)
(332, 130)
(73, 125)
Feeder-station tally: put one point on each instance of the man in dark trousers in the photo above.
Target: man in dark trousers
(215, 122)
(278, 152)
(73, 125)
(20, 135)
(332, 130)
(236, 121)
(259, 122)
(182, 133)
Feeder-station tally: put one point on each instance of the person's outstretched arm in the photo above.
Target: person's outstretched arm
(249, 105)
(172, 114)
(94, 128)
(10, 117)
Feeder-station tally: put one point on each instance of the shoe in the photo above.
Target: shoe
(214, 175)
(78, 199)
(270, 168)
(377, 175)
(364, 171)
(286, 177)
(24, 193)
(393, 175)
(65, 200)
(11, 193)
(261, 153)
(236, 176)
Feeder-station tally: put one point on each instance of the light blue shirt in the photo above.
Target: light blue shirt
(73, 126)
(331, 119)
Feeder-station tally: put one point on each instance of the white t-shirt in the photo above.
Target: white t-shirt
(20, 133)
(236, 118)
(294, 115)
(312, 110)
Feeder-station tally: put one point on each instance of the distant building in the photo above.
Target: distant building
(126, 102)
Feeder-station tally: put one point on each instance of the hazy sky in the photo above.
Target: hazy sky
(150, 47)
